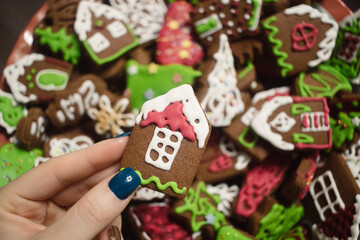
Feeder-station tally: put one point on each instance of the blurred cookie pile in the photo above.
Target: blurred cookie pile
(277, 81)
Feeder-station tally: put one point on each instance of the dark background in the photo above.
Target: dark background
(15, 14)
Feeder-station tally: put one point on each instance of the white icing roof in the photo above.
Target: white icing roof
(192, 110)
(328, 43)
(84, 13)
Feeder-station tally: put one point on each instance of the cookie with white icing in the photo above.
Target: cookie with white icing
(222, 160)
(10, 112)
(167, 142)
(71, 104)
(240, 130)
(145, 17)
(299, 38)
(219, 94)
(112, 115)
(290, 123)
(334, 197)
(36, 78)
(103, 31)
(66, 142)
(231, 17)
(32, 130)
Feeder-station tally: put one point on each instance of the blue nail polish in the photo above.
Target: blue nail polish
(124, 183)
(123, 134)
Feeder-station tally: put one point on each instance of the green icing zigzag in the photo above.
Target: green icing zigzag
(282, 56)
(159, 185)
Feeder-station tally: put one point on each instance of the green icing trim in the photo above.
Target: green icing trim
(298, 108)
(255, 12)
(246, 70)
(159, 185)
(10, 114)
(28, 77)
(242, 136)
(15, 162)
(339, 80)
(230, 233)
(302, 138)
(282, 56)
(67, 44)
(355, 103)
(279, 221)
(156, 79)
(116, 55)
(201, 207)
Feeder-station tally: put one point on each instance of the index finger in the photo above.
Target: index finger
(52, 176)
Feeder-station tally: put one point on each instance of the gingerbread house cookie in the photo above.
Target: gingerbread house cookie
(103, 31)
(290, 123)
(145, 17)
(240, 130)
(312, 38)
(35, 78)
(232, 17)
(167, 142)
(334, 197)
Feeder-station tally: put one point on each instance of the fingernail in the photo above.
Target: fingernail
(123, 134)
(124, 183)
(113, 233)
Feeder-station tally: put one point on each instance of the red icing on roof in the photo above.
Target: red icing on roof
(173, 117)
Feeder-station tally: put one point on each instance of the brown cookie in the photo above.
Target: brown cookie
(290, 123)
(232, 17)
(36, 78)
(222, 160)
(32, 130)
(71, 104)
(168, 141)
(103, 31)
(66, 142)
(312, 37)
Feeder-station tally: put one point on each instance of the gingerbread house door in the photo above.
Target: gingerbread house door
(163, 148)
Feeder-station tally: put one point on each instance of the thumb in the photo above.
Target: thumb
(95, 210)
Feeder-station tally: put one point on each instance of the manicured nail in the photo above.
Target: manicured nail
(124, 183)
(113, 233)
(123, 134)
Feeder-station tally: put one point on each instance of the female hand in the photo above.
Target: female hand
(70, 197)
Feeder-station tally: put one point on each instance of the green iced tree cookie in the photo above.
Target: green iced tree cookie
(10, 112)
(279, 221)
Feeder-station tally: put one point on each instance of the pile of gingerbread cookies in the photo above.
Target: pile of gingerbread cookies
(244, 114)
